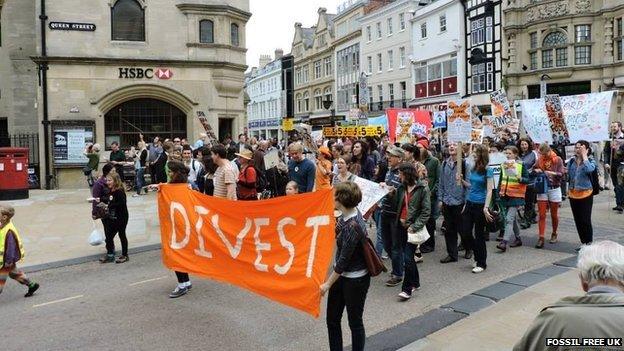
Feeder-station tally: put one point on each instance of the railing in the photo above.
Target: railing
(27, 140)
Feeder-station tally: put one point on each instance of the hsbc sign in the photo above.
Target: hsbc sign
(144, 73)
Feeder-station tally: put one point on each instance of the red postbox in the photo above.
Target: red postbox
(13, 173)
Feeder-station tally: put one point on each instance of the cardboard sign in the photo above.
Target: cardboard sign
(279, 248)
(354, 132)
(372, 193)
(502, 117)
(555, 118)
(459, 121)
(587, 116)
(535, 120)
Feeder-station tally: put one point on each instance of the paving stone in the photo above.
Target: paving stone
(526, 279)
(568, 262)
(499, 291)
(469, 304)
(551, 270)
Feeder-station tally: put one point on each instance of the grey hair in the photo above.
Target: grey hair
(602, 260)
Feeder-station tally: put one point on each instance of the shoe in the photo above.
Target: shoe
(499, 238)
(460, 247)
(448, 259)
(618, 208)
(418, 257)
(553, 238)
(540, 243)
(122, 259)
(426, 249)
(136, 195)
(31, 289)
(516, 243)
(404, 296)
(468, 254)
(502, 246)
(177, 292)
(188, 287)
(477, 270)
(384, 257)
(525, 225)
(394, 281)
(107, 259)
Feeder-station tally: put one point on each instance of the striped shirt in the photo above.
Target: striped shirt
(223, 176)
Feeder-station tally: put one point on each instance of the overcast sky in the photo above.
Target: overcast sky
(272, 24)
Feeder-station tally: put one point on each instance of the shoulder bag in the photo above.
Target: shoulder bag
(374, 264)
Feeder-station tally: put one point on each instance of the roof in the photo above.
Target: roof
(308, 36)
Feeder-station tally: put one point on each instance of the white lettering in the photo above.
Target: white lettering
(201, 251)
(286, 244)
(234, 250)
(260, 246)
(187, 226)
(314, 222)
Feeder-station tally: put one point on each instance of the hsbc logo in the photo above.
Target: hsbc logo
(164, 73)
(144, 73)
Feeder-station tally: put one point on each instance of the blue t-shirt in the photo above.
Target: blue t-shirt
(478, 186)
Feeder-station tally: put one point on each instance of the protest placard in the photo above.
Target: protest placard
(279, 248)
(371, 193)
(535, 120)
(555, 118)
(587, 116)
(404, 123)
(488, 127)
(502, 117)
(271, 159)
(459, 122)
(439, 119)
(476, 136)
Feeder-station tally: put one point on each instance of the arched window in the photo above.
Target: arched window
(318, 99)
(306, 101)
(554, 49)
(206, 31)
(299, 103)
(234, 34)
(328, 94)
(128, 21)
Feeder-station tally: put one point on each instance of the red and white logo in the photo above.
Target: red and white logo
(164, 73)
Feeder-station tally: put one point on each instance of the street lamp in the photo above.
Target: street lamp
(327, 104)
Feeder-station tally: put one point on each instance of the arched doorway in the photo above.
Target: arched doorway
(152, 117)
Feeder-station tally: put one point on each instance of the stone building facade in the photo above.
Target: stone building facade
(313, 52)
(571, 46)
(264, 87)
(116, 68)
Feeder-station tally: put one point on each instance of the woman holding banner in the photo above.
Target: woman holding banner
(349, 281)
(581, 191)
(550, 165)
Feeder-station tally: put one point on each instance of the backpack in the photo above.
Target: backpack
(261, 181)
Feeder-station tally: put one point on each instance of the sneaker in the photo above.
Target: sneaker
(448, 259)
(477, 270)
(404, 296)
(516, 243)
(394, 281)
(553, 238)
(618, 208)
(178, 291)
(384, 257)
(418, 257)
(107, 259)
(31, 289)
(188, 287)
(136, 195)
(122, 259)
(502, 246)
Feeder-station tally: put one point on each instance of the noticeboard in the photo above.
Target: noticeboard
(69, 139)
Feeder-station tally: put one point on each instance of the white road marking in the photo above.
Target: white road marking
(57, 301)
(148, 280)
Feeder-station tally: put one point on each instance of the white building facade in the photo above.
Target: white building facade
(264, 111)
(386, 45)
(438, 58)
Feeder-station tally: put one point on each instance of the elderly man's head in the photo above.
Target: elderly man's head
(602, 263)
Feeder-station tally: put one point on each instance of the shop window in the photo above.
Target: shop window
(128, 21)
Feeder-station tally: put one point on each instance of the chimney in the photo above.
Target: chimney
(297, 24)
(264, 60)
(279, 53)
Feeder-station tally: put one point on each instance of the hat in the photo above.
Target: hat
(246, 154)
(396, 151)
(325, 151)
(423, 142)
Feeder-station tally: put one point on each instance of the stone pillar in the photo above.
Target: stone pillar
(608, 39)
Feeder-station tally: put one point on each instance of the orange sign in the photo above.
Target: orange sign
(279, 248)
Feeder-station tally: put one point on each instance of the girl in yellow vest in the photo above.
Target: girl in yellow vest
(11, 252)
(513, 182)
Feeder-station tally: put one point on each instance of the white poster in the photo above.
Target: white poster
(459, 121)
(535, 120)
(371, 193)
(587, 116)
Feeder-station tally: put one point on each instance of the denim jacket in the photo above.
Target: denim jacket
(580, 176)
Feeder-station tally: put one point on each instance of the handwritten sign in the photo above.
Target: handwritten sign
(555, 118)
(476, 136)
(372, 193)
(535, 120)
(587, 116)
(459, 122)
(502, 117)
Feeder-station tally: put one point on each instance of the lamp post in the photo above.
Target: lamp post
(327, 104)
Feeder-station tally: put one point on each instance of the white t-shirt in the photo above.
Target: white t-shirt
(194, 168)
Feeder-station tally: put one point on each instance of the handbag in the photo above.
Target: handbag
(374, 264)
(418, 237)
(497, 212)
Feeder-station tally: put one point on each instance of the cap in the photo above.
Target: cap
(424, 143)
(325, 151)
(396, 151)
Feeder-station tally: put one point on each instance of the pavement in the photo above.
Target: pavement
(91, 306)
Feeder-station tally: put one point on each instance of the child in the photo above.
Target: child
(11, 246)
(292, 188)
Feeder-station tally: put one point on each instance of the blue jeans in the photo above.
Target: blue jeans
(140, 180)
(379, 245)
(392, 242)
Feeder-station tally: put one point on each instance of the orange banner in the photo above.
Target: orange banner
(279, 248)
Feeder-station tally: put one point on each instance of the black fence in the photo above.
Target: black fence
(30, 141)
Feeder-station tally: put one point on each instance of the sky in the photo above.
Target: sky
(272, 24)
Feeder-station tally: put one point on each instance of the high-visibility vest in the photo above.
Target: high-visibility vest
(510, 185)
(3, 235)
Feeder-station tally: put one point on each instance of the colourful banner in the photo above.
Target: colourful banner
(555, 118)
(459, 122)
(339, 132)
(535, 120)
(404, 123)
(439, 119)
(587, 116)
(279, 248)
(502, 117)
(379, 121)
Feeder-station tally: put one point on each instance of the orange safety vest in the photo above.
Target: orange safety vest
(510, 185)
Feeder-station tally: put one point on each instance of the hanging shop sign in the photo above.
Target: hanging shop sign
(81, 27)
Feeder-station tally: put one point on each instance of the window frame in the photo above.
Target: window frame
(234, 39)
(379, 63)
(329, 71)
(211, 31)
(390, 54)
(423, 30)
(369, 34)
(369, 61)
(379, 33)
(143, 35)
(318, 70)
(402, 57)
(577, 57)
(389, 26)
(442, 20)
(401, 22)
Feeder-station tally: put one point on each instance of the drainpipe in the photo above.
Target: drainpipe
(43, 69)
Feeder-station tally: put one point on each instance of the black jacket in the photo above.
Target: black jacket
(350, 244)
